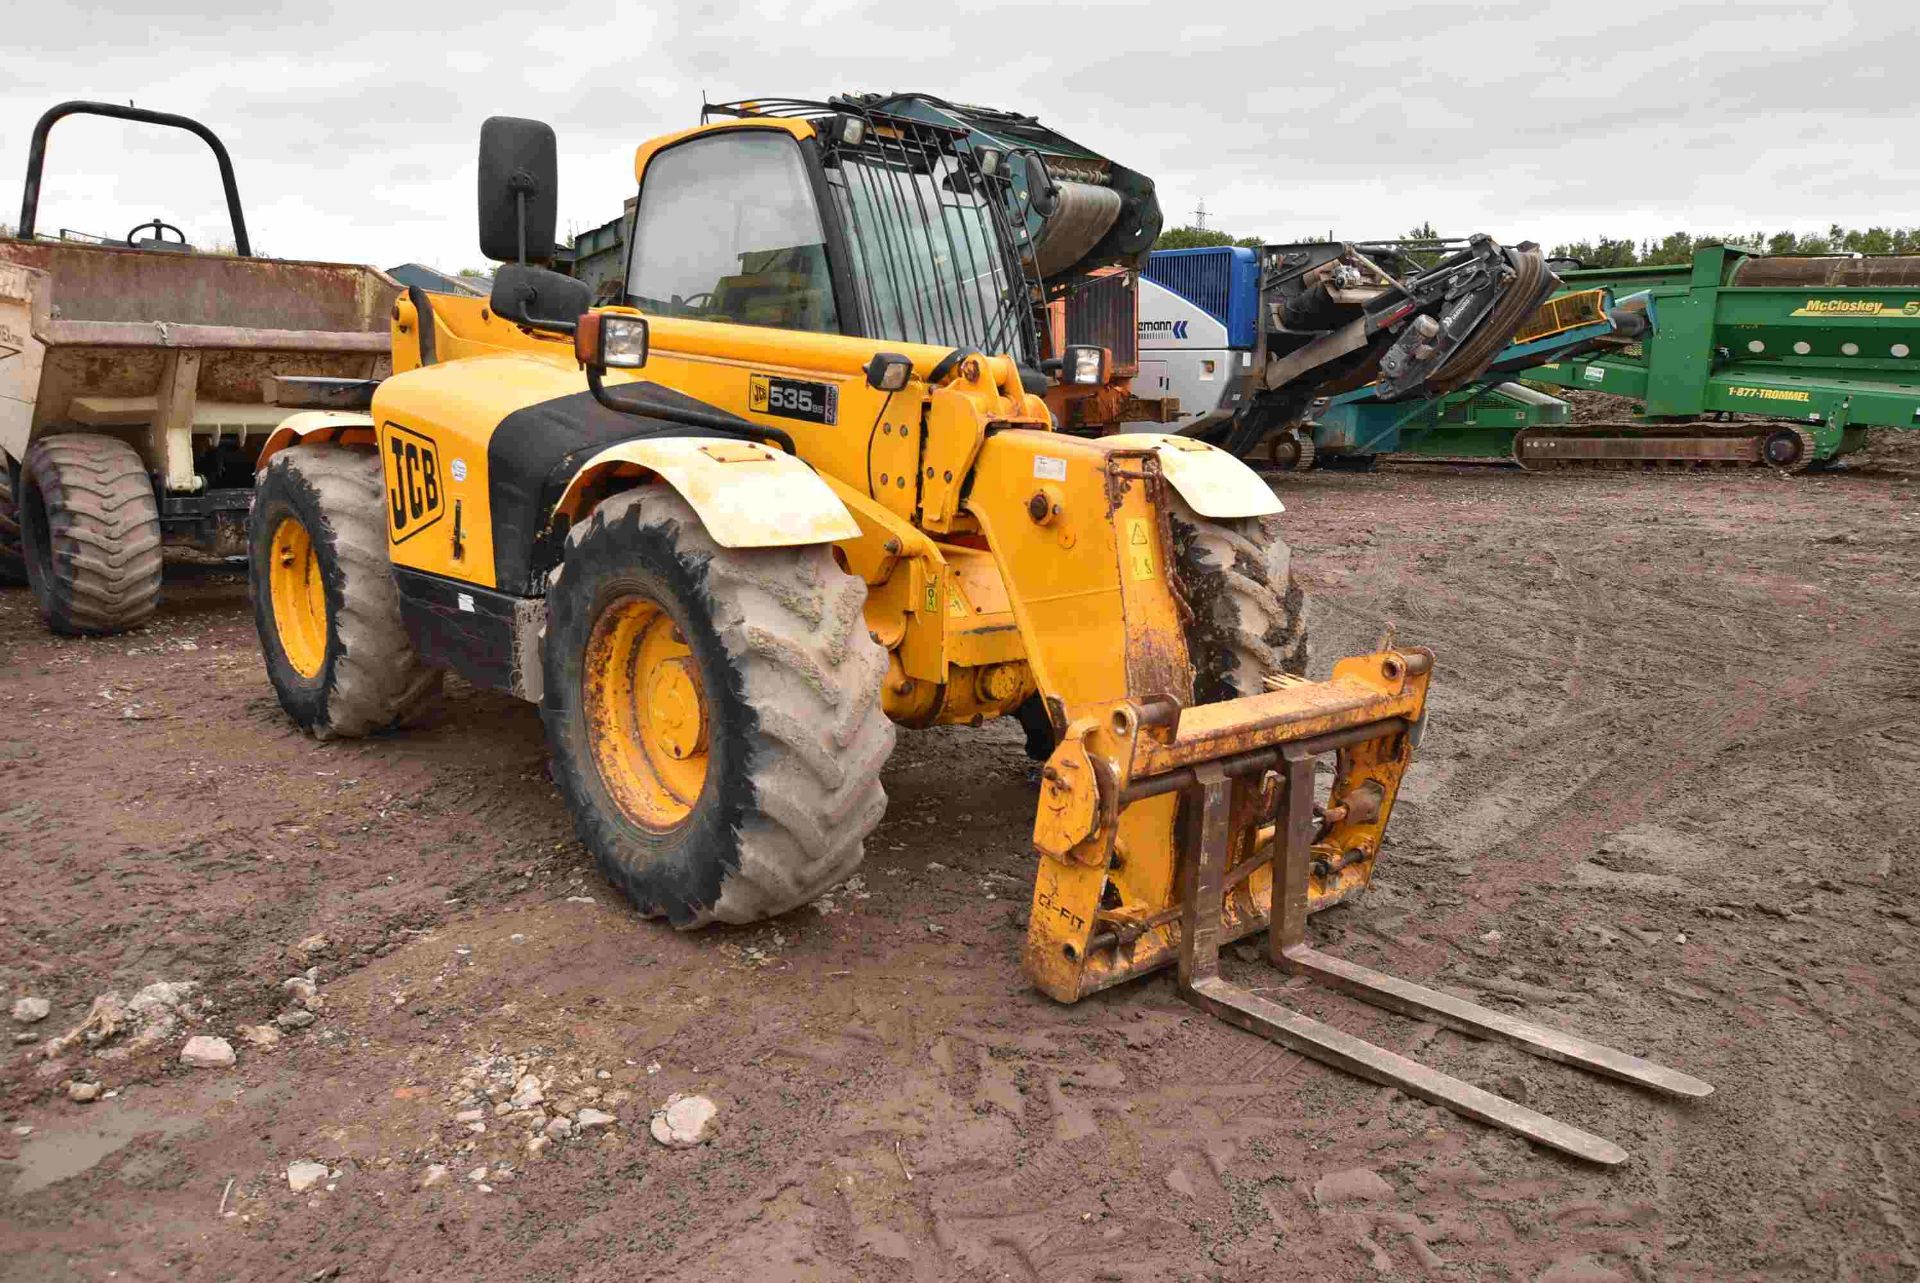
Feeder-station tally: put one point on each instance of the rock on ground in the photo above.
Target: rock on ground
(304, 1175)
(203, 1052)
(84, 1092)
(684, 1121)
(588, 1118)
(29, 1010)
(104, 1020)
(436, 1174)
(1354, 1185)
(152, 1014)
(160, 1000)
(527, 1093)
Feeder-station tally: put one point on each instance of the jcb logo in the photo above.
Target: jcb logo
(414, 492)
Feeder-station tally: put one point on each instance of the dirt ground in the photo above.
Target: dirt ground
(1667, 799)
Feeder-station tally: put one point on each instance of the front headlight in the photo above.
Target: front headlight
(623, 342)
(609, 339)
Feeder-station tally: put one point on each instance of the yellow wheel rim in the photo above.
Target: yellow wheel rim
(299, 594)
(646, 712)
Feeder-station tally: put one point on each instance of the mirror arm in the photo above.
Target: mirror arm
(533, 322)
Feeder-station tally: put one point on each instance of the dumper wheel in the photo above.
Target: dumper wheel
(1249, 616)
(713, 713)
(90, 533)
(324, 599)
(13, 561)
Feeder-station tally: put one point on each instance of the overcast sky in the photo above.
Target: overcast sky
(353, 126)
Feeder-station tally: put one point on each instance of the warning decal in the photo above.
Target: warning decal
(1140, 547)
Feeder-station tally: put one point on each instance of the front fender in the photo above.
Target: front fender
(747, 495)
(1212, 481)
(343, 426)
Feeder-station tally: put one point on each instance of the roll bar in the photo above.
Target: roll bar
(37, 159)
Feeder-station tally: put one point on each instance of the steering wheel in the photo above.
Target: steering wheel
(695, 302)
(159, 231)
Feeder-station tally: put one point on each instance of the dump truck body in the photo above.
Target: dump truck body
(138, 381)
(178, 354)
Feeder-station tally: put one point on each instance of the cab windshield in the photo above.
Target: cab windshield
(729, 228)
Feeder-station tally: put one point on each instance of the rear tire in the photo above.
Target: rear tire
(337, 651)
(1249, 616)
(786, 682)
(89, 534)
(13, 560)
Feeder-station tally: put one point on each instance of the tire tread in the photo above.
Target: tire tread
(104, 523)
(790, 620)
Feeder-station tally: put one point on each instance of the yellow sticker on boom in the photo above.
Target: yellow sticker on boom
(1140, 548)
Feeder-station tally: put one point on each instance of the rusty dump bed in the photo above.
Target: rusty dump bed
(99, 338)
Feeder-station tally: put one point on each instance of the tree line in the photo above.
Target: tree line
(1626, 251)
(1678, 247)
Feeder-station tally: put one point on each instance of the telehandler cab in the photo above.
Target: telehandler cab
(763, 528)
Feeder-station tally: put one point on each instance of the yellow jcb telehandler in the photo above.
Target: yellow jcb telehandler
(728, 533)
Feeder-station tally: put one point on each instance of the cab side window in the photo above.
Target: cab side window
(727, 230)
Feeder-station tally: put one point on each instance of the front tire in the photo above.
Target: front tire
(1249, 616)
(324, 598)
(90, 534)
(713, 714)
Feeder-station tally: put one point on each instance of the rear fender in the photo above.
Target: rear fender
(1213, 482)
(329, 427)
(747, 495)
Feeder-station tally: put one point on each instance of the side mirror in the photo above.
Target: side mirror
(519, 189)
(608, 340)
